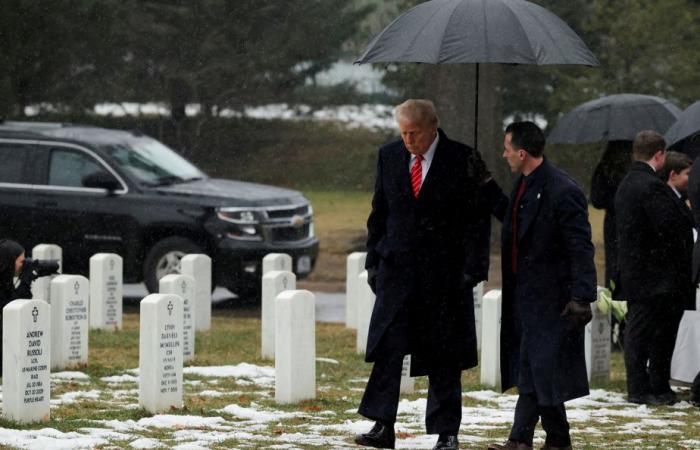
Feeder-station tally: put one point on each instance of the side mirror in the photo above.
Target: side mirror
(101, 180)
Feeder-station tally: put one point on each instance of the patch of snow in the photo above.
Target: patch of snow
(48, 438)
(69, 376)
(125, 378)
(72, 397)
(146, 443)
(327, 360)
(176, 421)
(256, 415)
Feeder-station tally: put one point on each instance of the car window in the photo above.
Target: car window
(69, 167)
(12, 159)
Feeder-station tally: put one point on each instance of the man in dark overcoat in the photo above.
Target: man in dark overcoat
(694, 198)
(655, 240)
(549, 281)
(427, 246)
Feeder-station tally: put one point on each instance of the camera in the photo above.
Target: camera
(40, 267)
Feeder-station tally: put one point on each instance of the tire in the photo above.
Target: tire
(164, 258)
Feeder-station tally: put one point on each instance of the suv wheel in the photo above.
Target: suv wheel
(164, 258)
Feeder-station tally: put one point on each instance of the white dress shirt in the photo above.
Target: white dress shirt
(427, 159)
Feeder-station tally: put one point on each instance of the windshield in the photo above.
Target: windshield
(152, 163)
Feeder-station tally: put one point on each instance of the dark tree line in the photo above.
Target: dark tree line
(71, 54)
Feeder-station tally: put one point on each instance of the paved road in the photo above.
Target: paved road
(330, 307)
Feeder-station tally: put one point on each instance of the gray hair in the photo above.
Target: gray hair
(416, 111)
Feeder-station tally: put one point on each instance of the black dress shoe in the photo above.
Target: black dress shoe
(380, 436)
(667, 398)
(447, 442)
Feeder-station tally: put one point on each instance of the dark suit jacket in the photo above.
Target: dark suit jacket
(655, 240)
(540, 352)
(422, 248)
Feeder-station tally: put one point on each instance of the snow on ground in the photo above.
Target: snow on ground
(256, 423)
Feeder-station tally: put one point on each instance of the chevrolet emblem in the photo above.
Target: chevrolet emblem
(297, 221)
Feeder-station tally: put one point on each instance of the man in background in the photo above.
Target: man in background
(654, 257)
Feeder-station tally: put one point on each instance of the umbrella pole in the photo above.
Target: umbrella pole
(476, 110)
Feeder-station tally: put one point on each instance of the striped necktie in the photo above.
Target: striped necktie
(417, 175)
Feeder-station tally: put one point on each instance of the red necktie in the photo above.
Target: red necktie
(514, 228)
(417, 175)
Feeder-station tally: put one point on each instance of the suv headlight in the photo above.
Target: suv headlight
(237, 216)
(244, 223)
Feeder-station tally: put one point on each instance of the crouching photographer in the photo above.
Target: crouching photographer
(13, 264)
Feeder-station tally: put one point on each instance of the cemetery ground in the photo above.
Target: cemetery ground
(229, 390)
(229, 401)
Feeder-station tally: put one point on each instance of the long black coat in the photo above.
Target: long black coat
(422, 248)
(694, 197)
(603, 189)
(655, 239)
(539, 351)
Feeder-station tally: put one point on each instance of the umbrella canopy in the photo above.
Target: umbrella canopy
(478, 31)
(614, 118)
(688, 124)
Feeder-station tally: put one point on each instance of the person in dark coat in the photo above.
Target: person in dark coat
(612, 168)
(427, 247)
(11, 265)
(549, 282)
(694, 198)
(655, 240)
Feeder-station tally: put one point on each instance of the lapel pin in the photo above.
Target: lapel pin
(538, 195)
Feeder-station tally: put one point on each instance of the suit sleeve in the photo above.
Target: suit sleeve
(572, 218)
(376, 223)
(602, 190)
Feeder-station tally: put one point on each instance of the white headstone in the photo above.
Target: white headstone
(598, 344)
(276, 261)
(160, 353)
(491, 340)
(26, 361)
(69, 321)
(697, 300)
(407, 382)
(184, 286)
(478, 298)
(365, 306)
(354, 266)
(106, 298)
(273, 283)
(198, 266)
(295, 347)
(41, 287)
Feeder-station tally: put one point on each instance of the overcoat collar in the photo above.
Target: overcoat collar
(435, 167)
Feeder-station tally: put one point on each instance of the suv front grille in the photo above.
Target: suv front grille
(288, 213)
(286, 234)
(288, 224)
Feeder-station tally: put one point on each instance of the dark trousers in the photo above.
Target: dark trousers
(381, 398)
(528, 413)
(650, 336)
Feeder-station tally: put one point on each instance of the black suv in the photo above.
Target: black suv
(94, 190)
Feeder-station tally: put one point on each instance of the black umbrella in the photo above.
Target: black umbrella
(686, 126)
(616, 117)
(478, 31)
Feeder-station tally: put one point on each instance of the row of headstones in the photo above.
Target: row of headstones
(39, 337)
(487, 313)
(106, 285)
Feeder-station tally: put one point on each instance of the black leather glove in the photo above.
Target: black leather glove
(578, 312)
(372, 279)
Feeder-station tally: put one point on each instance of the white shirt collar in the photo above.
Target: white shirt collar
(649, 164)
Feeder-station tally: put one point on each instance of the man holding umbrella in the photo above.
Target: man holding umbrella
(549, 281)
(427, 246)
